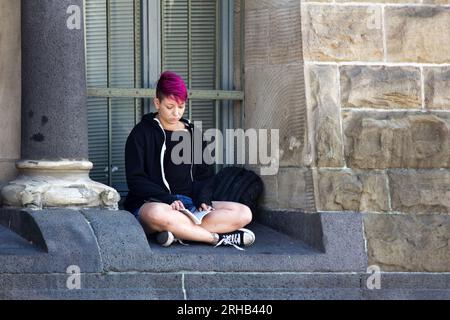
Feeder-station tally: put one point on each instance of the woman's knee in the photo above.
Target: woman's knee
(246, 215)
(155, 214)
(243, 214)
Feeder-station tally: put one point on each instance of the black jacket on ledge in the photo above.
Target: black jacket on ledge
(144, 163)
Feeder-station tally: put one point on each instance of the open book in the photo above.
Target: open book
(196, 216)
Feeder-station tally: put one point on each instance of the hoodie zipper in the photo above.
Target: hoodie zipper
(192, 149)
(163, 151)
(164, 148)
(191, 127)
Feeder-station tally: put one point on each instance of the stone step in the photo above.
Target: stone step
(314, 256)
(226, 286)
(13, 244)
(104, 241)
(268, 242)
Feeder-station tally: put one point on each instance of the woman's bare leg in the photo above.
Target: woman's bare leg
(159, 217)
(227, 217)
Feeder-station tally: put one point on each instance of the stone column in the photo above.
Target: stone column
(54, 170)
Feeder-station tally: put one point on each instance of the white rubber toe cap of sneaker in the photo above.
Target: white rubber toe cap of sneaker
(249, 237)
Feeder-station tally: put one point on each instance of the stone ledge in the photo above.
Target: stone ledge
(227, 286)
(273, 251)
(117, 262)
(113, 241)
(277, 249)
(338, 236)
(57, 239)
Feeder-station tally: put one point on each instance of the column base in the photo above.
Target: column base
(57, 184)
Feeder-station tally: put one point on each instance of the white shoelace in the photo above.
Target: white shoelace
(181, 242)
(227, 240)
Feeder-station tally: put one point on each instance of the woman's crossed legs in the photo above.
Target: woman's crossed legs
(227, 217)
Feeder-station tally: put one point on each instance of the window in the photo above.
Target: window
(128, 43)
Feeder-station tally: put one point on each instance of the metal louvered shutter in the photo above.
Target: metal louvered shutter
(189, 48)
(181, 36)
(96, 76)
(110, 123)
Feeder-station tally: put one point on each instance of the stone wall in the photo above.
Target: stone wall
(373, 135)
(10, 88)
(378, 90)
(275, 96)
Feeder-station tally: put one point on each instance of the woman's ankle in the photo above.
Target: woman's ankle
(216, 238)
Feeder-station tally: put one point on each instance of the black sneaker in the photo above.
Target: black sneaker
(237, 239)
(166, 239)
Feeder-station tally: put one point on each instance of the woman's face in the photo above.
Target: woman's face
(169, 110)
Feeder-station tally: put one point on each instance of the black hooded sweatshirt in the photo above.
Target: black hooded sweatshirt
(144, 163)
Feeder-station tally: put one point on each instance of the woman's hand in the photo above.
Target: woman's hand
(205, 207)
(177, 205)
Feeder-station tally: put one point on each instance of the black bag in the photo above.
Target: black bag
(238, 184)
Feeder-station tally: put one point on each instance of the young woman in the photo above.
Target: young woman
(158, 187)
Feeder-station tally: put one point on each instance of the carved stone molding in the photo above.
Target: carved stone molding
(57, 184)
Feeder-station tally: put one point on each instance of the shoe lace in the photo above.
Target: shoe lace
(181, 242)
(229, 240)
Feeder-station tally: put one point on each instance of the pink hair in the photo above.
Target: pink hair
(172, 86)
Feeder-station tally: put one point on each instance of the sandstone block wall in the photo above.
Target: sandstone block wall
(378, 91)
(361, 95)
(275, 96)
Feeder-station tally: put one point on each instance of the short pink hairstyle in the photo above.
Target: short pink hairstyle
(171, 85)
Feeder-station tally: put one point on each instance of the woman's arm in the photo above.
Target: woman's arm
(138, 180)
